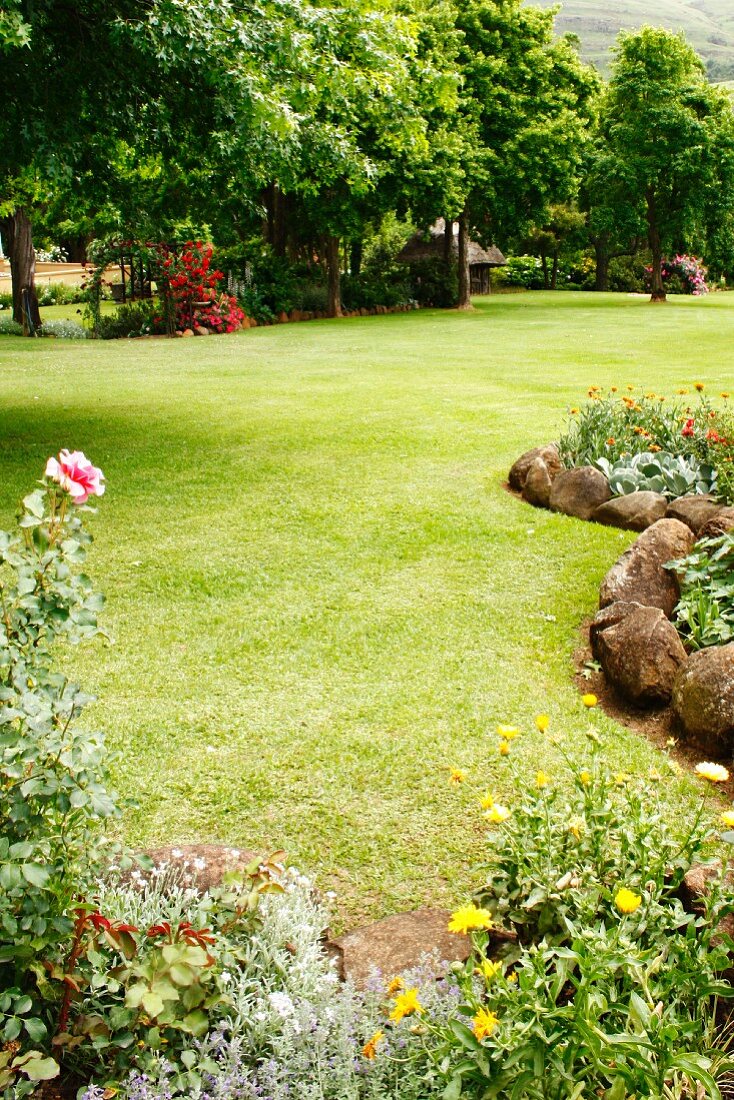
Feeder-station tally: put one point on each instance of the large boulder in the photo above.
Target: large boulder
(634, 512)
(703, 699)
(519, 470)
(537, 488)
(399, 943)
(579, 492)
(640, 652)
(721, 524)
(639, 575)
(695, 510)
(607, 617)
(200, 867)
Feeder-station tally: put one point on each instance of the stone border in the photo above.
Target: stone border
(632, 636)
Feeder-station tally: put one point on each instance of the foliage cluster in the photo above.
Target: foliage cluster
(288, 1026)
(704, 614)
(661, 472)
(521, 271)
(611, 430)
(610, 987)
(63, 330)
(55, 800)
(686, 274)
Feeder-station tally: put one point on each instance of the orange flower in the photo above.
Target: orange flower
(370, 1048)
(611, 441)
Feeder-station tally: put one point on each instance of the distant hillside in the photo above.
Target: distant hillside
(708, 25)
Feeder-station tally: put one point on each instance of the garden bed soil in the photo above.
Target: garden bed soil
(658, 725)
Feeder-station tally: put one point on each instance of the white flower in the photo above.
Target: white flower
(176, 853)
(282, 1004)
(226, 977)
(199, 864)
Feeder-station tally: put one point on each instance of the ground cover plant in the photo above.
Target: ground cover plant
(326, 589)
(646, 441)
(705, 613)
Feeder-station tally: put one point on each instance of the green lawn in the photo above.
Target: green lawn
(321, 595)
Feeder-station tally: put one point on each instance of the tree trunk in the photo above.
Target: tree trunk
(280, 222)
(17, 235)
(355, 258)
(653, 237)
(334, 308)
(602, 266)
(464, 274)
(448, 240)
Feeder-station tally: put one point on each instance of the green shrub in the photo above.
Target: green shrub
(291, 1029)
(521, 271)
(369, 290)
(9, 327)
(628, 274)
(704, 614)
(135, 319)
(672, 475)
(433, 283)
(63, 330)
(55, 800)
(603, 984)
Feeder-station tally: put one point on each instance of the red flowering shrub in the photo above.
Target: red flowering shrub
(190, 285)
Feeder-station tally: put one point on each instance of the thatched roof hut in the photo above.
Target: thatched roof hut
(430, 245)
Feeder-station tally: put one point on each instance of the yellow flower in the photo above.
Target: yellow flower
(630, 389)
(395, 986)
(725, 394)
(574, 412)
(576, 826)
(488, 969)
(542, 722)
(655, 775)
(504, 748)
(727, 818)
(699, 386)
(457, 776)
(496, 814)
(470, 918)
(405, 1005)
(585, 778)
(541, 780)
(508, 733)
(620, 779)
(715, 773)
(626, 901)
(484, 1023)
(370, 1048)
(488, 801)
(613, 389)
(512, 977)
(682, 391)
(589, 700)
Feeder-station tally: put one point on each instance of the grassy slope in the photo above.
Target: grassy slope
(708, 24)
(320, 592)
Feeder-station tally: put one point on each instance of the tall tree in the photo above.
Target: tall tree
(671, 136)
(615, 219)
(525, 113)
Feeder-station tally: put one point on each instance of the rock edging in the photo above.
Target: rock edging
(632, 636)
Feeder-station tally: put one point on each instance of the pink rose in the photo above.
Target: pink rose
(76, 475)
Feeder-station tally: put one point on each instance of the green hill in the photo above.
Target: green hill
(707, 24)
